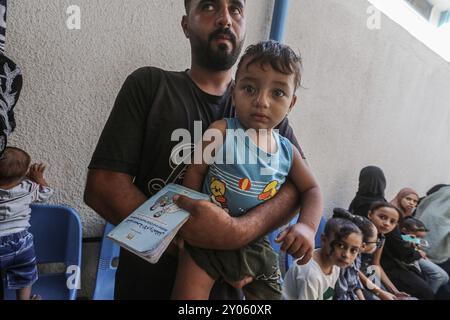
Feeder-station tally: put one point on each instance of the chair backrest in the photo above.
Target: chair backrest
(319, 232)
(58, 238)
(57, 234)
(106, 270)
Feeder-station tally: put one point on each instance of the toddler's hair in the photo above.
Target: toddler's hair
(13, 165)
(279, 56)
(338, 229)
(366, 226)
(412, 224)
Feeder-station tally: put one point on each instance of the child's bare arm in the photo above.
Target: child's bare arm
(360, 294)
(383, 295)
(36, 174)
(384, 277)
(194, 176)
(196, 172)
(298, 239)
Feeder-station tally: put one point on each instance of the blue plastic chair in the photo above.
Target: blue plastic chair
(285, 260)
(106, 271)
(58, 236)
(319, 232)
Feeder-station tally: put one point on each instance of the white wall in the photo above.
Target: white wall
(71, 79)
(372, 97)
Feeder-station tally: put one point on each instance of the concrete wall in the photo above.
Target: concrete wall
(372, 97)
(72, 77)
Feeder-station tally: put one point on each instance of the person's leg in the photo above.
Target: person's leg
(191, 282)
(263, 290)
(137, 279)
(23, 294)
(411, 283)
(22, 273)
(261, 261)
(435, 275)
(1, 288)
(368, 295)
(446, 266)
(224, 291)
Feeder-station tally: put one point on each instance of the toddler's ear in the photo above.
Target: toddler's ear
(233, 89)
(293, 102)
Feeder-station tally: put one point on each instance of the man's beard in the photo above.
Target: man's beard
(220, 59)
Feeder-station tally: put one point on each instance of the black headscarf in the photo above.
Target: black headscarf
(372, 184)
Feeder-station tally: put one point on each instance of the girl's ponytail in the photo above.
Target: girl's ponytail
(342, 213)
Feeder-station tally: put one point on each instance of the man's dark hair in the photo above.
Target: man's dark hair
(412, 224)
(13, 165)
(279, 56)
(187, 4)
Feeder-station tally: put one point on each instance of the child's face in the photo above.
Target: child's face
(418, 234)
(345, 251)
(385, 219)
(409, 202)
(371, 245)
(262, 96)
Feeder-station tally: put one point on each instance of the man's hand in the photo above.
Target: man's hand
(298, 240)
(209, 226)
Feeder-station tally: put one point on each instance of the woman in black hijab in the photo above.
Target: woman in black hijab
(372, 184)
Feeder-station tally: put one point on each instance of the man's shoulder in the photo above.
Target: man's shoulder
(151, 73)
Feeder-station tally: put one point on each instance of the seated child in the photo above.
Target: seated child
(414, 229)
(386, 217)
(349, 286)
(248, 169)
(316, 280)
(20, 185)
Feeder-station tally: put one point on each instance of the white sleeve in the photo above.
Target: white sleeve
(308, 289)
(40, 193)
(44, 193)
(299, 286)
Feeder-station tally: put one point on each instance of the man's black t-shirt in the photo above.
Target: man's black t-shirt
(137, 140)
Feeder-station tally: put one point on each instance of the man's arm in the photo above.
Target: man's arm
(202, 228)
(112, 194)
(109, 187)
(211, 227)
